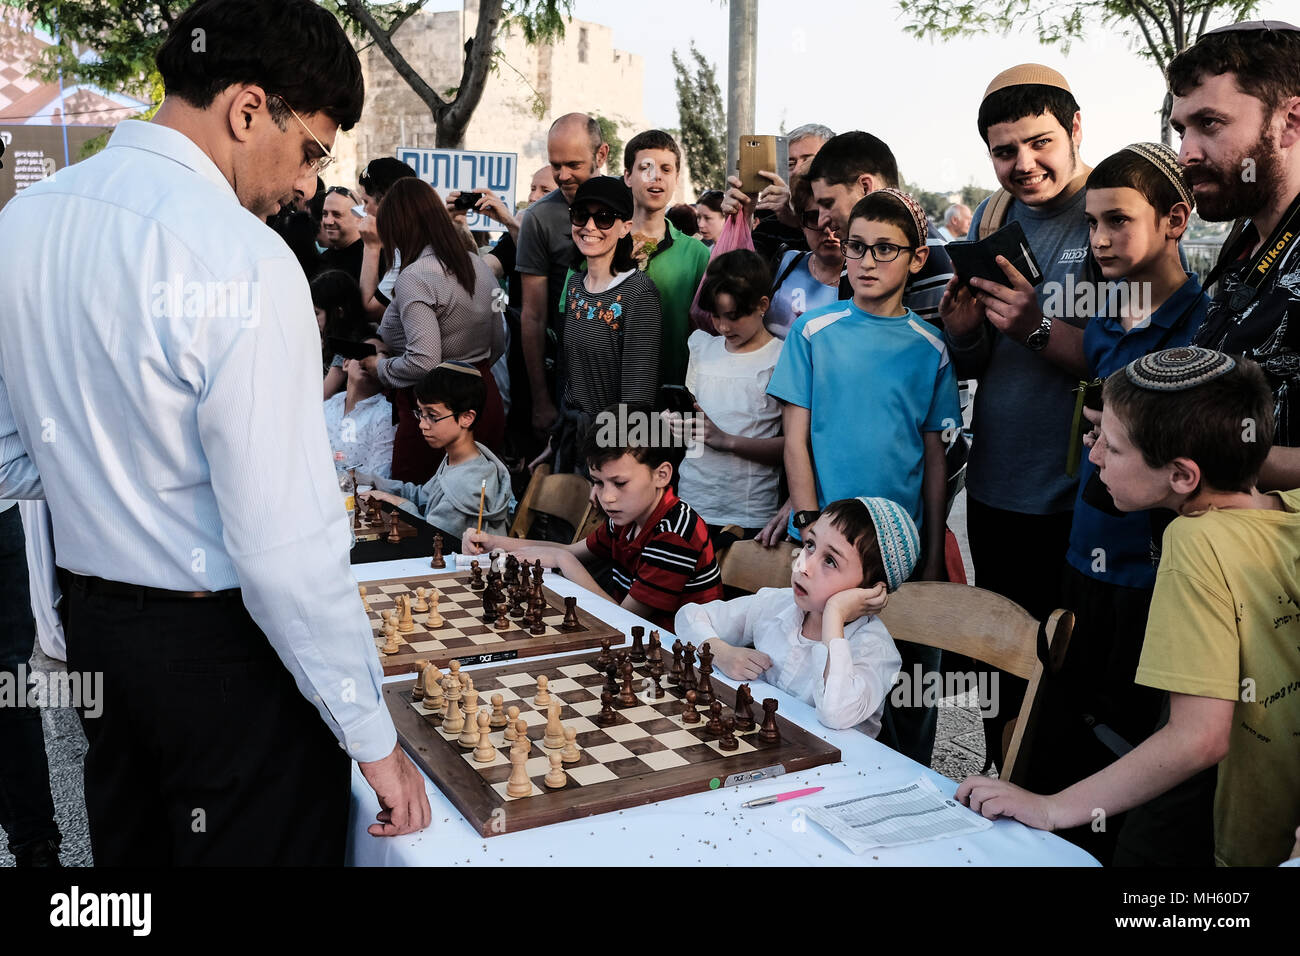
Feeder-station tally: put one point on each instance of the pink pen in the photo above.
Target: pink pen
(768, 801)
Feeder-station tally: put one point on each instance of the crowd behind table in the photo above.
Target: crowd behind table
(1132, 459)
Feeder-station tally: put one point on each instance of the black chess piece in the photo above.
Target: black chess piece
(570, 615)
(729, 741)
(538, 626)
(656, 674)
(517, 598)
(690, 715)
(769, 731)
(675, 669)
(604, 658)
(607, 715)
(611, 677)
(627, 696)
(503, 620)
(714, 726)
(704, 687)
(638, 647)
(744, 716)
(688, 666)
(438, 560)
(656, 651)
(475, 576)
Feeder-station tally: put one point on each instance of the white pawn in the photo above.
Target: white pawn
(571, 753)
(435, 617)
(543, 698)
(522, 742)
(512, 715)
(554, 738)
(364, 603)
(421, 604)
(557, 778)
(485, 752)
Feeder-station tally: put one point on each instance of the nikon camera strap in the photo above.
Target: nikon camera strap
(1270, 254)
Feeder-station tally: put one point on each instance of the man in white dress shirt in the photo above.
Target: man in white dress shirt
(160, 387)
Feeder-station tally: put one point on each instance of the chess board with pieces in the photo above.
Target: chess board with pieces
(379, 523)
(530, 744)
(476, 618)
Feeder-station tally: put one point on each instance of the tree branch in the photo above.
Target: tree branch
(473, 77)
(1156, 52)
(384, 40)
(1155, 18)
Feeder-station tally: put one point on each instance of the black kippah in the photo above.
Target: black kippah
(1178, 369)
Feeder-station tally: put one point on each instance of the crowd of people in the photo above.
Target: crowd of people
(1132, 449)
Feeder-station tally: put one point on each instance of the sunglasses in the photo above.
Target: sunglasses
(340, 191)
(603, 217)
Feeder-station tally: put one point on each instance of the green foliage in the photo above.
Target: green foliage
(538, 21)
(609, 133)
(933, 203)
(703, 121)
(972, 195)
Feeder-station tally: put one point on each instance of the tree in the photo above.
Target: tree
(1159, 29)
(699, 109)
(125, 35)
(609, 133)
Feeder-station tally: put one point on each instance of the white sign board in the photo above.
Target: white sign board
(466, 170)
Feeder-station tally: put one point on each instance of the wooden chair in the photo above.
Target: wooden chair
(991, 629)
(748, 566)
(567, 497)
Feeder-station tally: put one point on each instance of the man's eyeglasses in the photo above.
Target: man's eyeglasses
(422, 416)
(320, 163)
(604, 218)
(880, 251)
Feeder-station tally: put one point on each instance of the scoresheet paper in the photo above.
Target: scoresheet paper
(915, 813)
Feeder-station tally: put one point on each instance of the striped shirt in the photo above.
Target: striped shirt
(611, 342)
(669, 564)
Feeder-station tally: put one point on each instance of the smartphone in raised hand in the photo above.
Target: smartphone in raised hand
(758, 152)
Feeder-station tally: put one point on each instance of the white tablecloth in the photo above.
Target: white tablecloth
(705, 828)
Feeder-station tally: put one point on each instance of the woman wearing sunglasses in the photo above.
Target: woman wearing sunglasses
(612, 320)
(444, 309)
(805, 280)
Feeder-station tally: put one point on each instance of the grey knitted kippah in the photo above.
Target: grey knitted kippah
(1178, 369)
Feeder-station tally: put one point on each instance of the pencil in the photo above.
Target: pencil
(482, 492)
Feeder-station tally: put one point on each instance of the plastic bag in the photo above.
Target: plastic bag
(735, 235)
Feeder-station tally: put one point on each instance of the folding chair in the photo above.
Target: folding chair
(566, 497)
(747, 566)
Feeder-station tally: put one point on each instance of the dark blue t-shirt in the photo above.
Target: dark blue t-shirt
(1110, 549)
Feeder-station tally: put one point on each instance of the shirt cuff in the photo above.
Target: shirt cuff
(372, 739)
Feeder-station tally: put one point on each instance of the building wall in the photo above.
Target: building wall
(532, 86)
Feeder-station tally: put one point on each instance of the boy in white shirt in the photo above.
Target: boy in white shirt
(820, 639)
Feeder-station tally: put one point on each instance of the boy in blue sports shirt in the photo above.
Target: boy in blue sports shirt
(867, 390)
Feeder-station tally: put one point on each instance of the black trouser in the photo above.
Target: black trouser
(26, 807)
(1019, 556)
(204, 751)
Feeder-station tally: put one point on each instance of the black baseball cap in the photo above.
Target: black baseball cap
(609, 191)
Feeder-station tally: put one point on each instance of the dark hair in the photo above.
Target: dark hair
(1013, 103)
(380, 174)
(461, 392)
(1126, 169)
(337, 294)
(605, 443)
(1266, 64)
(850, 517)
(742, 274)
(623, 258)
(411, 217)
(683, 217)
(298, 230)
(650, 139)
(316, 205)
(711, 199)
(842, 159)
(882, 207)
(1206, 423)
(294, 49)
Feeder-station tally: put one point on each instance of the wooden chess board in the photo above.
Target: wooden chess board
(648, 755)
(465, 635)
(365, 530)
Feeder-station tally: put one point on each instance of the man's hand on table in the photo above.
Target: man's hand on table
(404, 806)
(997, 798)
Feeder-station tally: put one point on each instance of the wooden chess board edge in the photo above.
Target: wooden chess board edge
(479, 804)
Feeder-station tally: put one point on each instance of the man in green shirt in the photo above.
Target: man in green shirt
(674, 262)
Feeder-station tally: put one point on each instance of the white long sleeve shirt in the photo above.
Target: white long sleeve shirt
(862, 666)
(160, 386)
(363, 438)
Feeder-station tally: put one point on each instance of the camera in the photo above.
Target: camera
(466, 201)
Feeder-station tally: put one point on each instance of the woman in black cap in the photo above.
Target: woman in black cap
(612, 319)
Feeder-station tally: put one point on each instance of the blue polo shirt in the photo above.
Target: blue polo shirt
(1119, 550)
(873, 387)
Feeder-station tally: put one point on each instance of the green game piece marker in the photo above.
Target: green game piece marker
(715, 783)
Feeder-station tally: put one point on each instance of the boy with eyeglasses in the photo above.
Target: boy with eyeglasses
(449, 400)
(868, 391)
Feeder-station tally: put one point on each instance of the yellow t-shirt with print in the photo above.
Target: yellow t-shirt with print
(1225, 623)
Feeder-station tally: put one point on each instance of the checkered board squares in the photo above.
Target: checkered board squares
(378, 532)
(465, 635)
(648, 754)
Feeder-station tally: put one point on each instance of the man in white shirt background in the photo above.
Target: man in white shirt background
(956, 222)
(164, 398)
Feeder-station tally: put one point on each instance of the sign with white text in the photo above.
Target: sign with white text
(466, 170)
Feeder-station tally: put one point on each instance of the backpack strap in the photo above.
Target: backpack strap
(785, 273)
(995, 213)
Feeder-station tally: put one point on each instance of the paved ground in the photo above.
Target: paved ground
(958, 750)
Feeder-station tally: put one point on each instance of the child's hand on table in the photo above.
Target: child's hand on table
(739, 663)
(551, 558)
(847, 606)
(993, 798)
(383, 496)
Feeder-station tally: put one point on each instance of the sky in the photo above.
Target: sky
(849, 65)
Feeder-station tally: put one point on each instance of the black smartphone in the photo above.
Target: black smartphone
(466, 201)
(676, 398)
(349, 349)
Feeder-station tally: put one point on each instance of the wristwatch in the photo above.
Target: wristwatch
(803, 519)
(1037, 340)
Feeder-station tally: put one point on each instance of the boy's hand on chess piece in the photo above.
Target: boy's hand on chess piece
(404, 806)
(993, 798)
(366, 497)
(845, 607)
(739, 663)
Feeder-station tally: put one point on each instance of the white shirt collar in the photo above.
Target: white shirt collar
(172, 144)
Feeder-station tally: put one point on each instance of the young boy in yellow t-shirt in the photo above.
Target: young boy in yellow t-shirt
(1187, 429)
